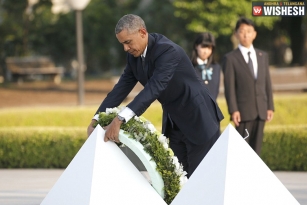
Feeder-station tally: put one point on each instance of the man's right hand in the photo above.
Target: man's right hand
(236, 118)
(91, 128)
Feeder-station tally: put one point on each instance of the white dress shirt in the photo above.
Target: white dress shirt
(201, 62)
(253, 56)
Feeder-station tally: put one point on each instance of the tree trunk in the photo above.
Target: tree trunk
(296, 35)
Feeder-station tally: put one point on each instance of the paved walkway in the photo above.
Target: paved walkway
(30, 186)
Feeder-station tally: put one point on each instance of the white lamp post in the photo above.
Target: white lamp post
(78, 6)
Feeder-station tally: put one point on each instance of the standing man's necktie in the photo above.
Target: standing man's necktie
(250, 63)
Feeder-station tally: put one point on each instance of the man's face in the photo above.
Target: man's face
(134, 43)
(246, 35)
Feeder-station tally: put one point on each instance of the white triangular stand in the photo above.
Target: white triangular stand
(100, 173)
(232, 173)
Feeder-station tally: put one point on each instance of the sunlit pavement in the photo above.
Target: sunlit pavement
(30, 186)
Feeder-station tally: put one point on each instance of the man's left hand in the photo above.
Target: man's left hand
(112, 130)
(270, 114)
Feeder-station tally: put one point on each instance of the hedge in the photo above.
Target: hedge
(284, 148)
(39, 147)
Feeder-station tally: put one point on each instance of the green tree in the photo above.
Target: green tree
(159, 18)
(217, 16)
(102, 50)
(36, 30)
(13, 28)
(220, 16)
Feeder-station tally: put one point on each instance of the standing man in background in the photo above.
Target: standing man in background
(247, 83)
(191, 118)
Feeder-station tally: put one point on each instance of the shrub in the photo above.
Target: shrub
(284, 148)
(39, 147)
(50, 137)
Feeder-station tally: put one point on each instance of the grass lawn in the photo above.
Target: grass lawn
(290, 110)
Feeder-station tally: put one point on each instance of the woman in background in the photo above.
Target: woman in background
(203, 61)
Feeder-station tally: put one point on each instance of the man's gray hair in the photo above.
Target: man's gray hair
(130, 22)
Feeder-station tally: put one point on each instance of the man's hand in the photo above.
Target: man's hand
(270, 114)
(236, 118)
(91, 128)
(112, 130)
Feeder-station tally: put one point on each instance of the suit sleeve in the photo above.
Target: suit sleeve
(166, 59)
(120, 91)
(229, 84)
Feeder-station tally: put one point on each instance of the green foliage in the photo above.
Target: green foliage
(39, 147)
(284, 148)
(38, 31)
(165, 22)
(102, 49)
(41, 32)
(160, 155)
(12, 17)
(218, 16)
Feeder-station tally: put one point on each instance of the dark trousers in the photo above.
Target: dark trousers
(189, 155)
(255, 129)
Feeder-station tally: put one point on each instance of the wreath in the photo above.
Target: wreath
(156, 145)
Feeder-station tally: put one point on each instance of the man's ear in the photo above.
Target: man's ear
(143, 32)
(235, 33)
(255, 35)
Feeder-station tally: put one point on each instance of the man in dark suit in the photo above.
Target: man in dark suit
(247, 85)
(190, 116)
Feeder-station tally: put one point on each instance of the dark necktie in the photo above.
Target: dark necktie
(250, 63)
(143, 65)
(143, 62)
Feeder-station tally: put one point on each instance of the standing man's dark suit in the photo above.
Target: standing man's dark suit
(248, 93)
(252, 97)
(190, 114)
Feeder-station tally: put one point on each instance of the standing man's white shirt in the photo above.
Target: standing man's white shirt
(253, 56)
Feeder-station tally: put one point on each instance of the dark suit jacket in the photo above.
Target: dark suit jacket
(243, 93)
(172, 80)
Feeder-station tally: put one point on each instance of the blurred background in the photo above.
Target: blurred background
(36, 28)
(42, 124)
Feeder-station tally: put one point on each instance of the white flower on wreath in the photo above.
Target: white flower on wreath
(163, 140)
(137, 118)
(150, 127)
(115, 110)
(183, 179)
(179, 171)
(176, 163)
(112, 110)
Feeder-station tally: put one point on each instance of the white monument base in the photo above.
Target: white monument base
(233, 174)
(100, 173)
